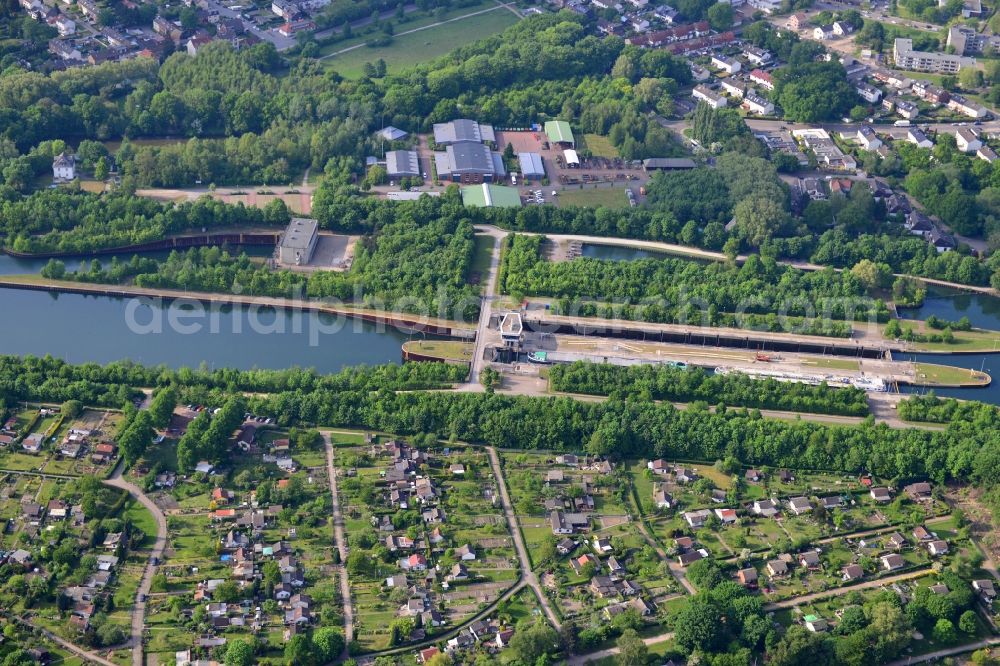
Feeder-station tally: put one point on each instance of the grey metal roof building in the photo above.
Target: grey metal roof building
(531, 165)
(461, 130)
(298, 241)
(402, 163)
(469, 163)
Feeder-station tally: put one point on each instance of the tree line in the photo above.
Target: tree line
(684, 287)
(662, 382)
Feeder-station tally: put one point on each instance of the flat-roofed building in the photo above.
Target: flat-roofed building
(299, 241)
(531, 165)
(468, 162)
(402, 163)
(461, 130)
(907, 58)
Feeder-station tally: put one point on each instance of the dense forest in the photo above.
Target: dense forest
(661, 382)
(370, 398)
(677, 290)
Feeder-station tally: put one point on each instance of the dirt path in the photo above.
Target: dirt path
(522, 552)
(947, 652)
(593, 657)
(341, 542)
(139, 609)
(84, 654)
(840, 591)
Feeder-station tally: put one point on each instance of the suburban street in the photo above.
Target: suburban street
(340, 541)
(139, 609)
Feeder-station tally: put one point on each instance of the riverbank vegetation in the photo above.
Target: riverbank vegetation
(417, 263)
(660, 382)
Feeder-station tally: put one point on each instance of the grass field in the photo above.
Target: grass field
(452, 350)
(929, 374)
(608, 197)
(409, 49)
(599, 146)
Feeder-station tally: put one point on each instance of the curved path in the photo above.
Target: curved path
(139, 609)
(340, 541)
(522, 551)
(840, 591)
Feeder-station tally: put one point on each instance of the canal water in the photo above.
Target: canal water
(101, 329)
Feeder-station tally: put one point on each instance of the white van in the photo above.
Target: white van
(513, 179)
(902, 123)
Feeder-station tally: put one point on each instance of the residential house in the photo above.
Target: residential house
(986, 153)
(691, 556)
(747, 577)
(705, 94)
(754, 476)
(662, 497)
(895, 541)
(579, 563)
(465, 553)
(757, 104)
(880, 494)
(968, 140)
(799, 505)
(776, 568)
(756, 55)
(920, 533)
(685, 475)
(565, 546)
(603, 545)
(766, 508)
(892, 562)
(918, 492)
(660, 466)
(867, 137)
(726, 64)
(809, 559)
(852, 572)
(823, 32)
(733, 88)
(697, 518)
(985, 588)
(937, 547)
(797, 21)
(726, 516)
(842, 28)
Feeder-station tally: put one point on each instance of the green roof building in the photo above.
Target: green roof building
(491, 196)
(558, 131)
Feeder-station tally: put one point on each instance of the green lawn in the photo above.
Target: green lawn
(930, 374)
(599, 146)
(595, 197)
(410, 49)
